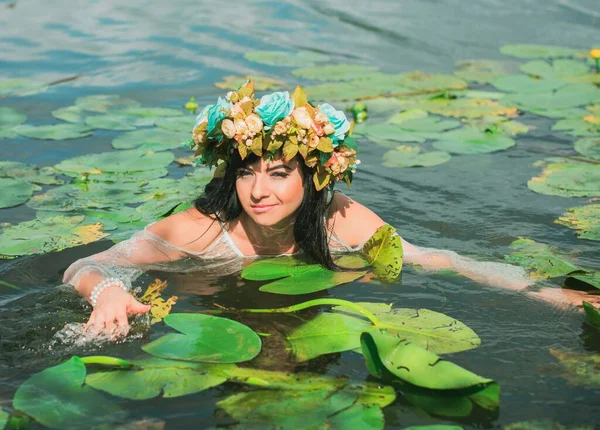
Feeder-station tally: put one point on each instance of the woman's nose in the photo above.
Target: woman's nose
(260, 187)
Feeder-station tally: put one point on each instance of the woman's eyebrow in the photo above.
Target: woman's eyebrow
(279, 166)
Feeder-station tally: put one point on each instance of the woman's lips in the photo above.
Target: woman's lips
(261, 208)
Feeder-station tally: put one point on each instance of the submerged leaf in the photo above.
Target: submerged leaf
(207, 339)
(152, 296)
(579, 368)
(411, 156)
(482, 71)
(58, 398)
(584, 219)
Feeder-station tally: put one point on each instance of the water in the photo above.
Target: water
(160, 54)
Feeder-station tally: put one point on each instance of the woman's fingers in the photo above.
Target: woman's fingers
(138, 308)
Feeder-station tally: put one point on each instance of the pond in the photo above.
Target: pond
(447, 157)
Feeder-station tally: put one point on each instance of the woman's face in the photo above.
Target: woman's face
(270, 191)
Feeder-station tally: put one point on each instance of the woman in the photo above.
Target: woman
(276, 161)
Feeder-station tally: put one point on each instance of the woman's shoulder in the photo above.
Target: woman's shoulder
(190, 230)
(351, 221)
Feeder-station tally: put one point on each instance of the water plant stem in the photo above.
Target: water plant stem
(14, 287)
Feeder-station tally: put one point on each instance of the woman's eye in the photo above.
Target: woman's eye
(242, 173)
(280, 175)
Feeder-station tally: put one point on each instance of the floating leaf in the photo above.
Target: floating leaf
(393, 132)
(577, 127)
(556, 168)
(579, 368)
(543, 260)
(473, 141)
(298, 276)
(302, 410)
(558, 113)
(482, 71)
(10, 118)
(116, 162)
(498, 124)
(592, 314)
(20, 87)
(206, 339)
(576, 179)
(14, 192)
(103, 103)
(149, 139)
(108, 122)
(465, 107)
(179, 124)
(261, 83)
(569, 96)
(428, 125)
(537, 51)
(411, 156)
(148, 112)
(372, 85)
(54, 132)
(384, 253)
(72, 114)
(431, 81)
(584, 219)
(334, 72)
(526, 84)
(58, 398)
(286, 59)
(53, 234)
(407, 115)
(152, 296)
(155, 377)
(558, 69)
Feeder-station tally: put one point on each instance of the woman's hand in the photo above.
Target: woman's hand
(113, 307)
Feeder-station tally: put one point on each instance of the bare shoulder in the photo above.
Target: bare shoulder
(351, 221)
(190, 230)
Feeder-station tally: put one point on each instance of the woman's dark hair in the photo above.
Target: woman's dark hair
(220, 199)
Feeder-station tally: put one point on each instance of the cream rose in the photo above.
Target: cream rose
(240, 126)
(254, 123)
(228, 128)
(302, 117)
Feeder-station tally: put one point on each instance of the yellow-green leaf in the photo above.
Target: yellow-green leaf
(299, 97)
(321, 178)
(383, 251)
(325, 144)
(289, 150)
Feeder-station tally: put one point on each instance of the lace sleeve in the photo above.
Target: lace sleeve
(127, 260)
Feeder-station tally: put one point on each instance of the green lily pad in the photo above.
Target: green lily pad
(155, 377)
(14, 192)
(103, 103)
(384, 253)
(558, 69)
(407, 115)
(108, 122)
(584, 219)
(526, 84)
(465, 107)
(54, 132)
(334, 72)
(4, 416)
(577, 127)
(428, 125)
(588, 277)
(535, 51)
(592, 314)
(543, 260)
(431, 81)
(482, 71)
(498, 124)
(557, 167)
(150, 139)
(58, 398)
(261, 83)
(473, 141)
(298, 277)
(372, 85)
(53, 234)
(10, 118)
(178, 124)
(579, 179)
(569, 96)
(134, 160)
(20, 87)
(207, 339)
(558, 113)
(388, 356)
(579, 368)
(411, 156)
(73, 114)
(148, 112)
(302, 410)
(340, 331)
(286, 59)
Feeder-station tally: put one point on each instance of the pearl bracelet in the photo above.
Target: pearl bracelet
(103, 285)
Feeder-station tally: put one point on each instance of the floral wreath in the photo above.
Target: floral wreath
(276, 122)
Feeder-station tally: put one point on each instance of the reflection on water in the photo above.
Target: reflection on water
(160, 54)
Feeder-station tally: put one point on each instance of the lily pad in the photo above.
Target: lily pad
(108, 122)
(558, 69)
(148, 112)
(526, 84)
(482, 71)
(298, 276)
(432, 81)
(558, 113)
(207, 339)
(261, 83)
(178, 124)
(465, 107)
(569, 96)
(579, 368)
(53, 234)
(411, 156)
(302, 410)
(543, 260)
(498, 124)
(577, 127)
(340, 331)
(473, 141)
(334, 72)
(155, 377)
(73, 114)
(407, 115)
(58, 398)
(14, 192)
(373, 85)
(103, 103)
(554, 167)
(592, 314)
(20, 87)
(384, 253)
(54, 132)
(10, 118)
(150, 139)
(584, 219)
(428, 125)
(397, 358)
(535, 51)
(286, 59)
(116, 162)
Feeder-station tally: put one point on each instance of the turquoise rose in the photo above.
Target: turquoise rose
(338, 119)
(216, 113)
(274, 106)
(202, 116)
